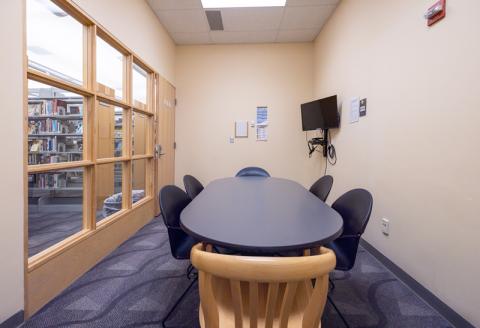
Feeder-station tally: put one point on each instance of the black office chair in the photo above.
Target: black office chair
(355, 207)
(252, 171)
(321, 188)
(192, 186)
(172, 201)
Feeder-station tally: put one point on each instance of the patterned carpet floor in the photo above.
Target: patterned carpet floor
(135, 285)
(51, 225)
(48, 227)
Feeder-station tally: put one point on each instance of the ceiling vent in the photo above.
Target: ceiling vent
(214, 18)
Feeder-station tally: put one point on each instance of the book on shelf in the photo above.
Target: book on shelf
(39, 158)
(56, 180)
(49, 181)
(74, 109)
(50, 125)
(52, 107)
(47, 150)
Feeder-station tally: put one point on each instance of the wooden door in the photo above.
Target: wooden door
(165, 135)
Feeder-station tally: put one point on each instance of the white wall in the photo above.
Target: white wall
(217, 85)
(135, 24)
(11, 136)
(417, 150)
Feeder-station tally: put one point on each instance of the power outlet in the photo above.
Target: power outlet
(385, 226)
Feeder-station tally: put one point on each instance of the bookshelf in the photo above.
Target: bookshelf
(55, 135)
(61, 183)
(55, 126)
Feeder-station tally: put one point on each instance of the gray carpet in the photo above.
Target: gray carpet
(48, 227)
(135, 285)
(52, 224)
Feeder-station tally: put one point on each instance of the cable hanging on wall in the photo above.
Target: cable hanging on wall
(327, 148)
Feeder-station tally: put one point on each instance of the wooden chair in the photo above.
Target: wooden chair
(246, 291)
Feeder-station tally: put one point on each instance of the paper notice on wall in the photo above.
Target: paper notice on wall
(241, 129)
(354, 110)
(262, 134)
(262, 123)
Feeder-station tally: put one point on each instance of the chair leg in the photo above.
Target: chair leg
(172, 309)
(189, 270)
(332, 284)
(191, 273)
(338, 311)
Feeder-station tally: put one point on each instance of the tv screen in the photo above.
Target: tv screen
(320, 114)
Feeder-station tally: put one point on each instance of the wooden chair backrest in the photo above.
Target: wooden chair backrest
(262, 291)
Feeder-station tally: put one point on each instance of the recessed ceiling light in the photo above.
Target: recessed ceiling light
(242, 3)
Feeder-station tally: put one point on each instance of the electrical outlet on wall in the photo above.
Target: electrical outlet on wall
(385, 226)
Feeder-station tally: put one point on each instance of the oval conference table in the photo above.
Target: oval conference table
(253, 214)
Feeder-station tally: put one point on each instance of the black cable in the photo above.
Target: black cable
(326, 164)
(331, 152)
(311, 148)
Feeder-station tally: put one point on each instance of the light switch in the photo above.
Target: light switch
(363, 107)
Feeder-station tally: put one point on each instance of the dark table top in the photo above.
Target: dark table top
(260, 214)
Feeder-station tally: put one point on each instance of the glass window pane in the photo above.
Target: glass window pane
(139, 84)
(55, 209)
(139, 168)
(54, 41)
(109, 131)
(109, 189)
(55, 125)
(110, 67)
(139, 133)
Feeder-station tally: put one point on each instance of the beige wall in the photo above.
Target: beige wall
(417, 149)
(135, 24)
(217, 85)
(11, 136)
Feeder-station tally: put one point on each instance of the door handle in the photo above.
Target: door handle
(158, 151)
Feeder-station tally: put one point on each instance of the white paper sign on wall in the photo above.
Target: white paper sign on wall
(262, 123)
(354, 110)
(241, 129)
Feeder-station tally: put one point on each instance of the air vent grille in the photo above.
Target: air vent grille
(215, 21)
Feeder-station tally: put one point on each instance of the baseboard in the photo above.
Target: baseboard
(14, 321)
(447, 312)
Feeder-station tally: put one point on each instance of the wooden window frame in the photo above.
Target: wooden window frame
(90, 162)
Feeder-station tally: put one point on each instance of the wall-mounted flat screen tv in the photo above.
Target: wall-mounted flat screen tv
(320, 114)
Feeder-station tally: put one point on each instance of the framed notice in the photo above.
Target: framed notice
(262, 123)
(241, 129)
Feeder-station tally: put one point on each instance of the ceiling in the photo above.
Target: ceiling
(298, 21)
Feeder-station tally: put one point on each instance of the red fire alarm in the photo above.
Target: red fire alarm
(436, 12)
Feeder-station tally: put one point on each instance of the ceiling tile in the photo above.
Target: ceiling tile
(299, 21)
(252, 19)
(182, 21)
(297, 35)
(243, 37)
(311, 2)
(305, 17)
(174, 4)
(191, 38)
